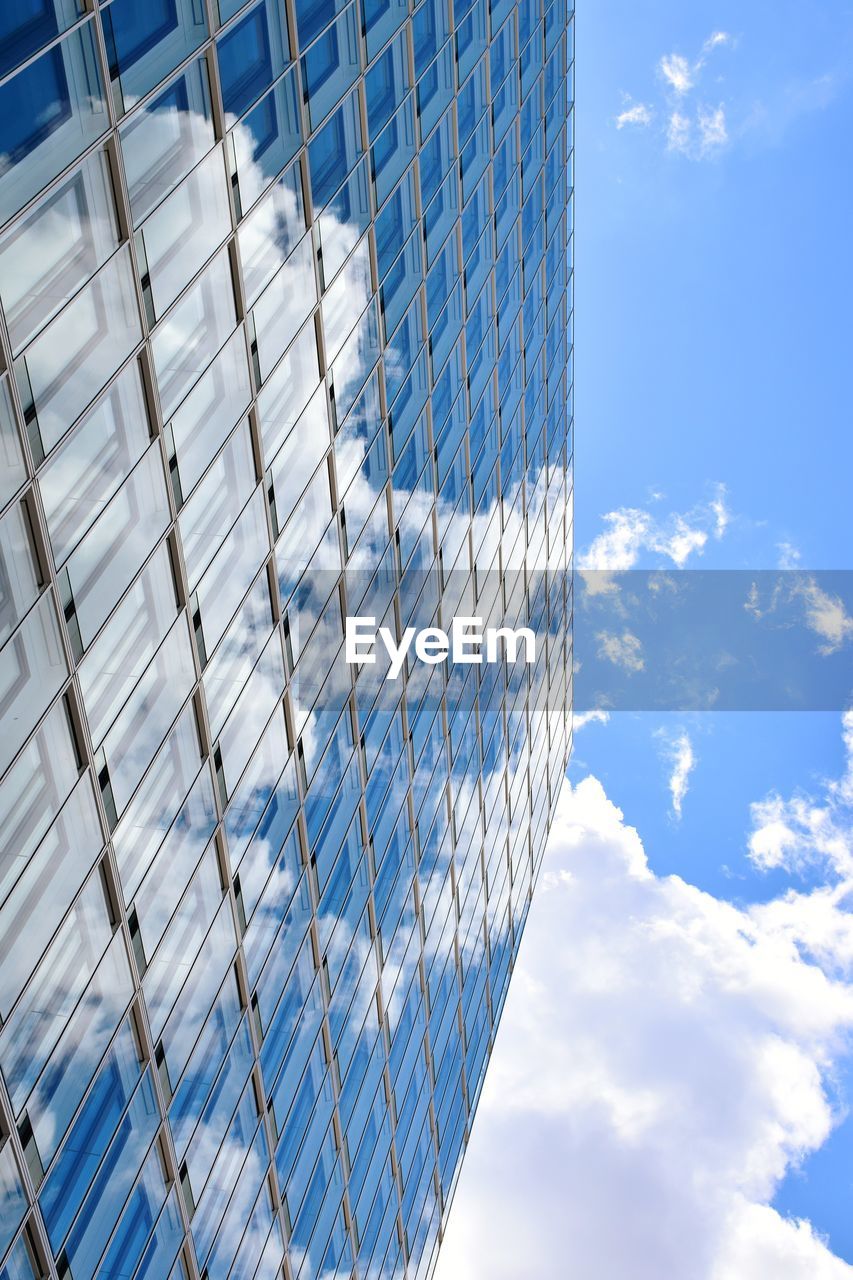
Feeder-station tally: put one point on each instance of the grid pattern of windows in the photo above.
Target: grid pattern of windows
(285, 336)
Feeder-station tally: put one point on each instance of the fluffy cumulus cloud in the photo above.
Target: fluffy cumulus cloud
(803, 830)
(629, 532)
(665, 1058)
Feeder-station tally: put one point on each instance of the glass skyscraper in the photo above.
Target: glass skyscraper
(285, 318)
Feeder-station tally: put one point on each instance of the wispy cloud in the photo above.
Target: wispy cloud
(712, 129)
(824, 612)
(789, 555)
(679, 753)
(580, 719)
(623, 650)
(826, 615)
(631, 531)
(677, 72)
(639, 114)
(806, 828)
(715, 39)
(691, 128)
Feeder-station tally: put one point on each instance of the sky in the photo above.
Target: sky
(671, 1091)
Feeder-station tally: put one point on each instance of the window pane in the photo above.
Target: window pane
(334, 151)
(79, 351)
(13, 472)
(183, 233)
(128, 642)
(146, 42)
(84, 472)
(284, 305)
(265, 140)
(46, 889)
(161, 142)
(56, 248)
(49, 113)
(251, 54)
(32, 669)
(13, 1199)
(331, 65)
(269, 233)
(110, 555)
(212, 408)
(343, 221)
(184, 344)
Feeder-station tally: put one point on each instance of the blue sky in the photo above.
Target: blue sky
(714, 270)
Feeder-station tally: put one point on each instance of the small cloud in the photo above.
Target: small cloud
(678, 133)
(681, 544)
(679, 752)
(722, 516)
(805, 829)
(712, 129)
(692, 130)
(677, 72)
(640, 114)
(789, 555)
(715, 39)
(630, 530)
(581, 719)
(825, 615)
(623, 651)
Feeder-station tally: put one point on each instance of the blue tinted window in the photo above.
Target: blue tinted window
(331, 65)
(400, 283)
(13, 1199)
(146, 42)
(381, 20)
(394, 150)
(90, 1135)
(29, 24)
(49, 113)
(385, 85)
(435, 89)
(436, 158)
(430, 29)
(395, 223)
(266, 139)
(334, 151)
(312, 16)
(251, 55)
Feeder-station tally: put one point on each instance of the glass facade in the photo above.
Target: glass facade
(285, 337)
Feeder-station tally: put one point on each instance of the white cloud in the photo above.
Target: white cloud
(715, 39)
(694, 131)
(789, 555)
(639, 114)
(679, 753)
(825, 614)
(663, 1061)
(679, 133)
(677, 72)
(803, 830)
(722, 516)
(629, 531)
(712, 129)
(623, 651)
(581, 719)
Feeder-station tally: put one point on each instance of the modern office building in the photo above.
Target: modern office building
(285, 322)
